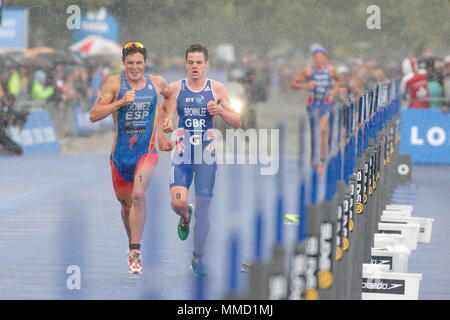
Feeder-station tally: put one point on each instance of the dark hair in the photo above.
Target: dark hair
(197, 48)
(132, 50)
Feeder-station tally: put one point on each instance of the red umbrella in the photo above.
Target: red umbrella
(95, 45)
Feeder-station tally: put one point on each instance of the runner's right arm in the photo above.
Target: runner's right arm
(163, 141)
(299, 81)
(108, 103)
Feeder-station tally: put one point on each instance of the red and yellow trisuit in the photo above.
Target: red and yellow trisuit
(134, 142)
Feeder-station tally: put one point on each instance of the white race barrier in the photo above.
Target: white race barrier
(379, 284)
(394, 257)
(383, 240)
(400, 213)
(409, 230)
(399, 207)
(426, 224)
(373, 268)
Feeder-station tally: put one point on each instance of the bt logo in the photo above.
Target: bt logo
(198, 99)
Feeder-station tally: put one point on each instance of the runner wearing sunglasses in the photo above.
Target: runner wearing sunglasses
(131, 98)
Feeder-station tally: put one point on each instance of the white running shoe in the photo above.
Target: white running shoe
(135, 262)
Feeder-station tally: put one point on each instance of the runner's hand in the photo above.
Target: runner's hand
(311, 85)
(213, 108)
(164, 143)
(167, 125)
(128, 97)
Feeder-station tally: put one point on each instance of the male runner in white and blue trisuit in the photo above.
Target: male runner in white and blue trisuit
(199, 100)
(322, 83)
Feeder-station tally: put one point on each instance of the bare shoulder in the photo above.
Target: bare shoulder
(218, 86)
(114, 79)
(157, 79)
(110, 90)
(112, 83)
(175, 86)
(307, 71)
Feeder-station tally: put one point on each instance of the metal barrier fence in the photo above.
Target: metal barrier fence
(335, 234)
(339, 211)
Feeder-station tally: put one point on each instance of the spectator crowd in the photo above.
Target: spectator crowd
(28, 84)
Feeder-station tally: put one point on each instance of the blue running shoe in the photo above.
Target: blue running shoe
(198, 268)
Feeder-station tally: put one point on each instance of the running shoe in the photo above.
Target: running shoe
(245, 266)
(198, 268)
(135, 262)
(184, 228)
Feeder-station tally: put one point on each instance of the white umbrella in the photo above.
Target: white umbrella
(96, 45)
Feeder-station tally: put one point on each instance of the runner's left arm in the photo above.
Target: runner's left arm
(169, 104)
(335, 89)
(222, 106)
(163, 142)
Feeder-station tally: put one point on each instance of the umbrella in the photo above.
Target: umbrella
(61, 57)
(95, 45)
(38, 50)
(9, 61)
(37, 61)
(55, 56)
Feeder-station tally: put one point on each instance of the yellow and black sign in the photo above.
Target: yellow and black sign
(311, 294)
(345, 244)
(359, 207)
(350, 225)
(365, 198)
(325, 278)
(370, 190)
(338, 253)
